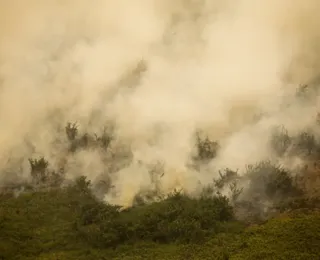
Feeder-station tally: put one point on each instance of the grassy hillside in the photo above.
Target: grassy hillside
(71, 223)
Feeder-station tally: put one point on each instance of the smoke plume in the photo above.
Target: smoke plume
(159, 71)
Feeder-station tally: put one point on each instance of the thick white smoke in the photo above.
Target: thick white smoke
(209, 65)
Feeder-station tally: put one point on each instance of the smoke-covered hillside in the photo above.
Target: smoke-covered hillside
(133, 108)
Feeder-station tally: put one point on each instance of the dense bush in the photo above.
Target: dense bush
(42, 176)
(269, 181)
(177, 218)
(303, 144)
(257, 194)
(71, 224)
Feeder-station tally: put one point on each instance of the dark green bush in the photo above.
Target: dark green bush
(42, 176)
(177, 218)
(39, 169)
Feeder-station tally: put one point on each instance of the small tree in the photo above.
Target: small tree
(206, 149)
(225, 177)
(235, 191)
(39, 170)
(280, 140)
(270, 182)
(71, 131)
(104, 139)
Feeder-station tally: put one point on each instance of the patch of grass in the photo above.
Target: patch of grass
(286, 237)
(71, 223)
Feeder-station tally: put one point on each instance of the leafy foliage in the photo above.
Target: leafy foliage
(177, 218)
(71, 224)
(42, 176)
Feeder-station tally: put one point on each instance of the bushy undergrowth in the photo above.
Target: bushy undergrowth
(304, 144)
(47, 216)
(77, 212)
(70, 223)
(178, 218)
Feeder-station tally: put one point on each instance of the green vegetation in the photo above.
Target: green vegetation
(269, 213)
(70, 223)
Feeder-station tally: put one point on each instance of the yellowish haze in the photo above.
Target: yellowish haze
(209, 65)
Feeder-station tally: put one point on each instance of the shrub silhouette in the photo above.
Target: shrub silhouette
(42, 176)
(225, 177)
(280, 140)
(270, 181)
(206, 149)
(104, 139)
(39, 170)
(268, 186)
(304, 144)
(71, 131)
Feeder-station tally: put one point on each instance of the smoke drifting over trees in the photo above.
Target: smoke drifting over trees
(146, 82)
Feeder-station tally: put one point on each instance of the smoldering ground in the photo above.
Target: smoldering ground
(158, 71)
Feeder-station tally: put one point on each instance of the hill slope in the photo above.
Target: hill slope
(71, 224)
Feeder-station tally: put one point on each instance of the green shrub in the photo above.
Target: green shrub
(42, 176)
(178, 218)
